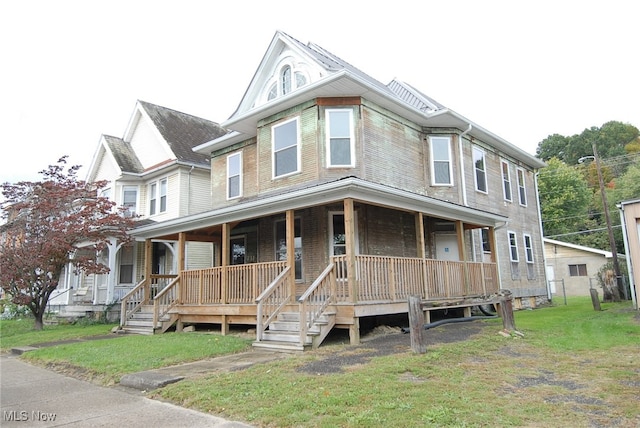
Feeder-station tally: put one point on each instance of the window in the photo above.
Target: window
(441, 168)
(286, 80)
(513, 247)
(285, 148)
(126, 265)
(281, 245)
(578, 270)
(481, 170)
(234, 175)
(130, 200)
(340, 140)
(522, 191)
(158, 197)
(238, 249)
(486, 246)
(506, 181)
(528, 248)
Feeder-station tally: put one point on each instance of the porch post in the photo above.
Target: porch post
(148, 268)
(291, 252)
(422, 254)
(226, 240)
(461, 253)
(111, 276)
(494, 253)
(182, 239)
(350, 247)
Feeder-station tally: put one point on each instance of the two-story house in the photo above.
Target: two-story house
(153, 172)
(335, 197)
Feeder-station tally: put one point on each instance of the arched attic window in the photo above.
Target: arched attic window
(285, 80)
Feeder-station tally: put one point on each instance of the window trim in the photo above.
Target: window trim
(432, 160)
(512, 239)
(239, 175)
(477, 149)
(329, 137)
(274, 152)
(506, 181)
(522, 188)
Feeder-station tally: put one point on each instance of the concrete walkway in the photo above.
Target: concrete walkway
(33, 396)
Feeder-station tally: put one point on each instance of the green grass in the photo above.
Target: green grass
(107, 360)
(574, 367)
(20, 332)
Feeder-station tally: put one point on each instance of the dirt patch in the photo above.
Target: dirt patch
(381, 341)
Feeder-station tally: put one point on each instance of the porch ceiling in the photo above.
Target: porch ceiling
(206, 225)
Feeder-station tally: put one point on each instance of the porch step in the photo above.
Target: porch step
(141, 322)
(277, 346)
(283, 334)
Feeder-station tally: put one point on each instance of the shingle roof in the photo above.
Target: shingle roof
(183, 131)
(124, 155)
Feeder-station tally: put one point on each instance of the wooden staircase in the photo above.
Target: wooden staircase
(283, 334)
(141, 322)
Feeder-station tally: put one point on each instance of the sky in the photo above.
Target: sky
(71, 71)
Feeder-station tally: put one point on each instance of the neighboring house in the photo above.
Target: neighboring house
(573, 269)
(154, 173)
(630, 220)
(335, 197)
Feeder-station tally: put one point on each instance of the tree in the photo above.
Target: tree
(47, 223)
(564, 198)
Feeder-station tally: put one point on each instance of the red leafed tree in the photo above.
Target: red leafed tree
(46, 223)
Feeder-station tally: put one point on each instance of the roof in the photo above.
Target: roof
(607, 254)
(341, 79)
(123, 154)
(183, 131)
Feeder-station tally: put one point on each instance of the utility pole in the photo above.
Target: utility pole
(612, 241)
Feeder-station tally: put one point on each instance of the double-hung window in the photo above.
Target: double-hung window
(513, 247)
(506, 181)
(340, 139)
(286, 150)
(234, 175)
(480, 169)
(130, 200)
(158, 197)
(441, 168)
(522, 191)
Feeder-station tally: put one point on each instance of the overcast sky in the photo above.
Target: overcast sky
(71, 71)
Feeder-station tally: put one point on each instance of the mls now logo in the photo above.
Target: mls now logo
(22, 416)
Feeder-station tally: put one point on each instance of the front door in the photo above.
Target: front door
(447, 247)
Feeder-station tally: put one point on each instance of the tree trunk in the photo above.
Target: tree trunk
(506, 311)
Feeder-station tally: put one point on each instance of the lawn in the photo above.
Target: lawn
(573, 367)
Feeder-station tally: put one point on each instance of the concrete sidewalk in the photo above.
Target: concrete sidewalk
(31, 396)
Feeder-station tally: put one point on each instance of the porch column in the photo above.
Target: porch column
(226, 241)
(182, 239)
(420, 235)
(462, 257)
(291, 252)
(148, 267)
(494, 253)
(422, 254)
(350, 248)
(111, 276)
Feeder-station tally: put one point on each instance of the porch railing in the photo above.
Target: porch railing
(165, 300)
(142, 294)
(228, 284)
(383, 278)
(317, 299)
(271, 301)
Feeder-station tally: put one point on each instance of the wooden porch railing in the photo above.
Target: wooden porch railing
(165, 300)
(142, 294)
(271, 301)
(383, 278)
(316, 299)
(228, 284)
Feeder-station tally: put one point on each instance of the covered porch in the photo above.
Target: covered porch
(342, 282)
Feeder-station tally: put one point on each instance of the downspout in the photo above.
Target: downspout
(462, 180)
(625, 238)
(544, 255)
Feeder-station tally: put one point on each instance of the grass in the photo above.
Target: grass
(20, 332)
(574, 367)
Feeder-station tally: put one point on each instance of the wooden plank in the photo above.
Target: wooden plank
(416, 326)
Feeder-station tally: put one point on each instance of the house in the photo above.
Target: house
(154, 173)
(572, 269)
(335, 197)
(630, 220)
